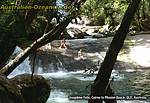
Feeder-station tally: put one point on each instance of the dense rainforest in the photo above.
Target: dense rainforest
(31, 24)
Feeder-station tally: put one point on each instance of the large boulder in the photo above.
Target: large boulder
(36, 90)
(75, 33)
(9, 91)
(23, 89)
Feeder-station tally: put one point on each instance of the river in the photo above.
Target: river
(67, 84)
(127, 82)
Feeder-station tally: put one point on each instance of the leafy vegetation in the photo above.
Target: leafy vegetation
(20, 27)
(102, 12)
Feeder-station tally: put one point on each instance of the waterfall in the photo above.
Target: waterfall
(24, 67)
(60, 65)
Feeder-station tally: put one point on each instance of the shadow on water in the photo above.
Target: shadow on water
(67, 77)
(74, 83)
(128, 79)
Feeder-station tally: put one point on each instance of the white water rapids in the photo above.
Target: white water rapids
(24, 67)
(59, 94)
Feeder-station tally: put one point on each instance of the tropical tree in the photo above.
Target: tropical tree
(17, 24)
(110, 10)
(101, 86)
(23, 22)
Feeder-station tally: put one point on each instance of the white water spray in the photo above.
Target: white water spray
(24, 67)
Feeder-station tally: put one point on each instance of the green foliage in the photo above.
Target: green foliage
(25, 24)
(113, 10)
(142, 20)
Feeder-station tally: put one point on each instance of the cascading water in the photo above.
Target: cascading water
(60, 65)
(24, 67)
(77, 82)
(66, 84)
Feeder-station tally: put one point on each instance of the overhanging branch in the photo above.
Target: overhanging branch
(46, 38)
(50, 36)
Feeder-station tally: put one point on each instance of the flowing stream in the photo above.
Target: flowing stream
(77, 83)
(67, 84)
(24, 67)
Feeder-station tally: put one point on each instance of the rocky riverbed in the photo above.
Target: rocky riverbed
(65, 69)
(52, 58)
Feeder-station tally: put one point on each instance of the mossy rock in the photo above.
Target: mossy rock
(36, 90)
(9, 92)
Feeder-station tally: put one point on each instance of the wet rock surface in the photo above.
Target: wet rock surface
(92, 54)
(76, 33)
(56, 58)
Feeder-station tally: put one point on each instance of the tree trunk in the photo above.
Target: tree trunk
(46, 38)
(7, 40)
(100, 84)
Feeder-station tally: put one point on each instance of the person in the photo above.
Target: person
(63, 44)
(80, 55)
